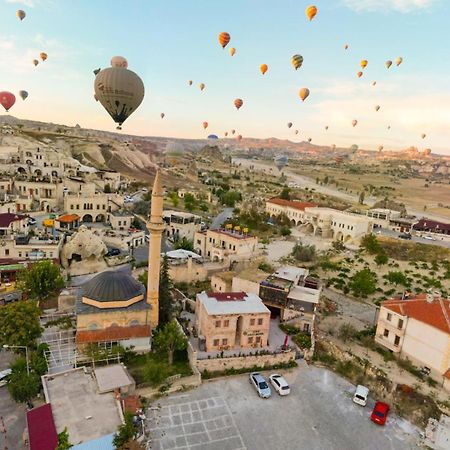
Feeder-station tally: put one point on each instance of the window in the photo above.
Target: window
(252, 322)
(224, 341)
(226, 323)
(216, 342)
(260, 321)
(250, 340)
(78, 206)
(258, 339)
(6, 251)
(400, 324)
(218, 323)
(389, 317)
(386, 333)
(397, 340)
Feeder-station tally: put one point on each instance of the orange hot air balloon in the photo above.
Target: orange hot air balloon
(7, 100)
(162, 115)
(20, 14)
(354, 122)
(310, 12)
(43, 56)
(363, 63)
(232, 51)
(264, 68)
(360, 74)
(201, 86)
(239, 137)
(205, 125)
(233, 131)
(238, 103)
(35, 62)
(224, 39)
(377, 108)
(304, 93)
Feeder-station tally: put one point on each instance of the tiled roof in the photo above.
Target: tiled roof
(41, 428)
(447, 374)
(291, 203)
(113, 334)
(7, 218)
(435, 313)
(431, 225)
(68, 218)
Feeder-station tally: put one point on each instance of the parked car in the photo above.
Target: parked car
(361, 394)
(112, 252)
(144, 189)
(260, 384)
(4, 377)
(279, 384)
(405, 236)
(380, 413)
(32, 221)
(429, 238)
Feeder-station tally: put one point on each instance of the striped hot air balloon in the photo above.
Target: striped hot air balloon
(297, 61)
(224, 39)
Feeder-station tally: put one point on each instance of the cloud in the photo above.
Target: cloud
(29, 3)
(402, 6)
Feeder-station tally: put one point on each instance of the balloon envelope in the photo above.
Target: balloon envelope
(310, 12)
(304, 93)
(119, 61)
(289, 124)
(120, 91)
(162, 115)
(297, 61)
(354, 122)
(263, 68)
(388, 63)
(213, 136)
(201, 86)
(360, 74)
(20, 14)
(364, 63)
(281, 161)
(43, 56)
(224, 38)
(190, 82)
(23, 94)
(205, 125)
(35, 62)
(238, 103)
(399, 60)
(7, 100)
(232, 51)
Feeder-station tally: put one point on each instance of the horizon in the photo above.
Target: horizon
(166, 57)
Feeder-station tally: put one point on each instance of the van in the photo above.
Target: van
(361, 394)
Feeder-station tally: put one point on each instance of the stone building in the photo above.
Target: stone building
(230, 320)
(181, 225)
(293, 209)
(92, 208)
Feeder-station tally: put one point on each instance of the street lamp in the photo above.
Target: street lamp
(6, 346)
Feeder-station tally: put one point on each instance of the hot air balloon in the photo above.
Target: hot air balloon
(399, 60)
(233, 131)
(96, 98)
(23, 94)
(345, 46)
(389, 127)
(224, 38)
(120, 91)
(377, 107)
(374, 83)
(7, 100)
(296, 131)
(201, 86)
(424, 135)
(232, 51)
(388, 64)
(213, 136)
(360, 74)
(263, 68)
(96, 71)
(226, 133)
(35, 62)
(190, 82)
(380, 148)
(297, 61)
(289, 124)
(20, 14)
(354, 122)
(162, 115)
(239, 138)
(310, 12)
(363, 63)
(304, 93)
(326, 127)
(43, 56)
(119, 61)
(238, 103)
(281, 162)
(205, 125)
(309, 139)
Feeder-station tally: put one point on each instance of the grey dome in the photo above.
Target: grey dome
(112, 286)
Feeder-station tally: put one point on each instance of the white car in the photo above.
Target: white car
(279, 384)
(429, 238)
(361, 394)
(3, 375)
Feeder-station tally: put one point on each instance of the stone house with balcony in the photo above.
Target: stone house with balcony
(180, 224)
(418, 328)
(229, 320)
(92, 208)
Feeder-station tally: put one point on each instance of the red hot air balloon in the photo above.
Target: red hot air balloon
(238, 103)
(7, 100)
(224, 38)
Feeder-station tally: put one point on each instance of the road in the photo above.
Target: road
(225, 214)
(420, 240)
(318, 414)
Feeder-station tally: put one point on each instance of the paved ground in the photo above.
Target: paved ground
(394, 234)
(319, 414)
(12, 414)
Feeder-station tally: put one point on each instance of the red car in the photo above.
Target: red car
(380, 413)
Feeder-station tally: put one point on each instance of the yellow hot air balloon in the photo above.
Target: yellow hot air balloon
(190, 82)
(120, 91)
(162, 115)
(238, 103)
(304, 93)
(354, 122)
(263, 68)
(399, 60)
(388, 63)
(205, 125)
(360, 74)
(201, 86)
(310, 12)
(43, 56)
(377, 107)
(346, 47)
(363, 63)
(424, 135)
(35, 62)
(289, 124)
(297, 61)
(232, 51)
(20, 14)
(224, 39)
(119, 61)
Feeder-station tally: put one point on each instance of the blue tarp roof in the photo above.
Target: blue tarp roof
(102, 443)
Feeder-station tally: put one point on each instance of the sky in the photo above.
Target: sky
(168, 42)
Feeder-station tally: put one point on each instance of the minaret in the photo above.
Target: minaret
(155, 225)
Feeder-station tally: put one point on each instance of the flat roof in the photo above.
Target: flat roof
(171, 212)
(77, 405)
(217, 303)
(290, 273)
(304, 294)
(112, 377)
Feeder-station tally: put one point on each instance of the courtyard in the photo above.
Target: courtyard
(319, 414)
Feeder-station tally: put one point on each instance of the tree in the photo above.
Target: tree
(23, 387)
(397, 278)
(381, 259)
(174, 198)
(363, 283)
(125, 432)
(370, 243)
(285, 193)
(285, 231)
(165, 293)
(19, 323)
(304, 253)
(41, 280)
(190, 202)
(362, 196)
(107, 189)
(184, 244)
(347, 331)
(142, 208)
(169, 339)
(230, 198)
(63, 440)
(136, 223)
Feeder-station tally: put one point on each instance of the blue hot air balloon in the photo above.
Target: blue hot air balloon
(213, 136)
(281, 161)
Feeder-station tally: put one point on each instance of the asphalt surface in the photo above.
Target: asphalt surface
(421, 240)
(319, 414)
(221, 217)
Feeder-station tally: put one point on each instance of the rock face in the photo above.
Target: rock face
(84, 253)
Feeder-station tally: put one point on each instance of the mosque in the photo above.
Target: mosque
(113, 308)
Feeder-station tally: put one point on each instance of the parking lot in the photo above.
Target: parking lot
(319, 414)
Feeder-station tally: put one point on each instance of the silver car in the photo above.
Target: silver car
(260, 384)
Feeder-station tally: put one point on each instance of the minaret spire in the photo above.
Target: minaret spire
(155, 226)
